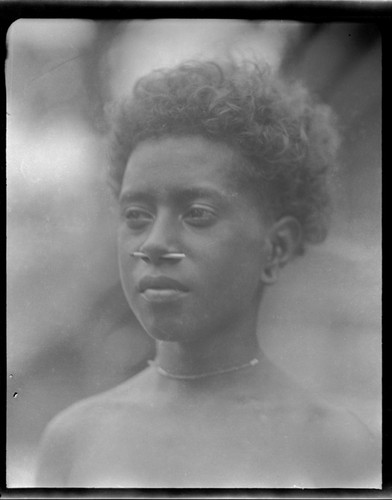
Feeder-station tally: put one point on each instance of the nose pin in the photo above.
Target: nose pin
(140, 255)
(165, 256)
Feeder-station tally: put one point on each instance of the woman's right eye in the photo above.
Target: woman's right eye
(137, 218)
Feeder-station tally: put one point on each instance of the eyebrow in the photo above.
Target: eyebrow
(178, 193)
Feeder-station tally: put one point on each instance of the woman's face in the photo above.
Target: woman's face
(178, 196)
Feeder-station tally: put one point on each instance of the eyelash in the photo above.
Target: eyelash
(139, 222)
(206, 218)
(137, 218)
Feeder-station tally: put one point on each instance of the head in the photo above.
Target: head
(271, 150)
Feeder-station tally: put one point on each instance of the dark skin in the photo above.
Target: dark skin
(252, 427)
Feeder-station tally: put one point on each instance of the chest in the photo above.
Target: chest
(189, 449)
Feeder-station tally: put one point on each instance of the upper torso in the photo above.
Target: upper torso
(240, 446)
(256, 439)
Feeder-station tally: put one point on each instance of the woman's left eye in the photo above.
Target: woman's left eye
(200, 216)
(137, 218)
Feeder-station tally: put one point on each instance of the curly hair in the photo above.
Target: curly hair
(289, 140)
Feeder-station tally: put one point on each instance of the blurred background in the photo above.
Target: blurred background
(70, 331)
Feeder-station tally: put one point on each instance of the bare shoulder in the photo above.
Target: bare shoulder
(57, 447)
(342, 450)
(67, 434)
(335, 447)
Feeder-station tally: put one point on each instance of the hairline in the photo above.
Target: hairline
(239, 179)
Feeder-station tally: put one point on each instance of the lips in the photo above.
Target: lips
(161, 289)
(161, 283)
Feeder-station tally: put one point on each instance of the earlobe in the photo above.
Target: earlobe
(269, 274)
(284, 240)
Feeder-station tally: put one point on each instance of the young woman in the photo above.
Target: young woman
(221, 173)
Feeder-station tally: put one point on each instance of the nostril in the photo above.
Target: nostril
(141, 255)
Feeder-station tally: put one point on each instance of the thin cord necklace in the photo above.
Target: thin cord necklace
(165, 373)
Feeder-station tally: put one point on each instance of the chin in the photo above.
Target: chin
(165, 332)
(163, 336)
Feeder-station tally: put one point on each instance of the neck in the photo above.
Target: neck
(210, 354)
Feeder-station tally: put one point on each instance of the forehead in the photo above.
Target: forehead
(172, 162)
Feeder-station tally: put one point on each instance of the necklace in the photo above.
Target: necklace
(165, 373)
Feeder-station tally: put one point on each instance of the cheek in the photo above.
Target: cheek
(124, 263)
(126, 244)
(125, 278)
(235, 265)
(122, 253)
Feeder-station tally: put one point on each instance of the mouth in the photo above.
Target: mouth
(161, 289)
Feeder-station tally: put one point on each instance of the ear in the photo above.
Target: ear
(284, 239)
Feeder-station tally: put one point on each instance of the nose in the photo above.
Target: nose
(161, 243)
